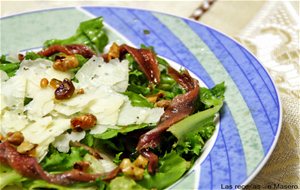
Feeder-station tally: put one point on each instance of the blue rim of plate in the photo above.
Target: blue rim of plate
(250, 120)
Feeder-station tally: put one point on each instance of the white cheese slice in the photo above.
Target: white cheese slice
(13, 93)
(106, 106)
(44, 131)
(62, 142)
(137, 115)
(77, 103)
(96, 72)
(36, 132)
(66, 110)
(35, 70)
(3, 76)
(42, 104)
(12, 121)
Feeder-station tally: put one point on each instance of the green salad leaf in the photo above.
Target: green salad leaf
(58, 161)
(89, 32)
(171, 168)
(194, 122)
(138, 100)
(212, 97)
(32, 56)
(124, 183)
(9, 67)
(9, 177)
(41, 184)
(111, 133)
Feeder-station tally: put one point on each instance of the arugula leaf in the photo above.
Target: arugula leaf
(111, 133)
(32, 56)
(194, 122)
(58, 161)
(3, 59)
(138, 99)
(41, 184)
(124, 183)
(144, 90)
(10, 68)
(117, 158)
(88, 140)
(191, 145)
(89, 32)
(9, 177)
(27, 100)
(212, 97)
(171, 168)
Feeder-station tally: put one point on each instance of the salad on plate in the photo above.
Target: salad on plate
(87, 113)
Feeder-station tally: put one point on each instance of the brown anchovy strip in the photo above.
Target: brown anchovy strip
(184, 78)
(152, 158)
(68, 50)
(28, 166)
(146, 60)
(83, 50)
(181, 106)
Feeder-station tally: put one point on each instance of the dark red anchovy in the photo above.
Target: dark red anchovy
(184, 78)
(153, 160)
(28, 166)
(181, 106)
(146, 60)
(83, 50)
(68, 50)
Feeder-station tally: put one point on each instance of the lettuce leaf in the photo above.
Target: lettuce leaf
(111, 133)
(41, 184)
(212, 97)
(9, 177)
(58, 161)
(211, 102)
(171, 168)
(124, 183)
(9, 67)
(138, 100)
(89, 32)
(32, 56)
(194, 122)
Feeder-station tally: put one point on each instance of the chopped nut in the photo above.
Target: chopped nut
(138, 173)
(114, 52)
(15, 138)
(155, 97)
(54, 83)
(20, 57)
(44, 83)
(131, 170)
(25, 147)
(64, 63)
(141, 162)
(65, 90)
(152, 98)
(80, 91)
(125, 163)
(163, 103)
(83, 122)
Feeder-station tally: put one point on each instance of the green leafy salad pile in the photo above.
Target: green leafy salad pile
(180, 145)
